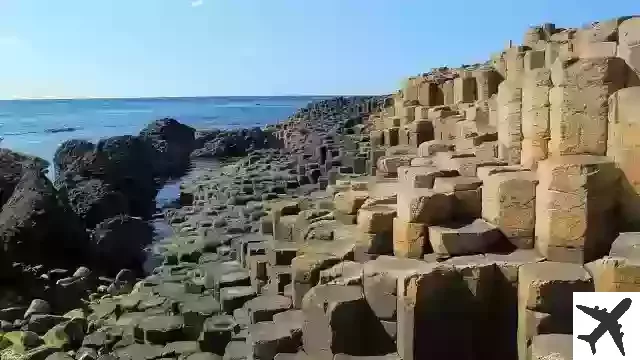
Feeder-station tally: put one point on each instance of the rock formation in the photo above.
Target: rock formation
(451, 219)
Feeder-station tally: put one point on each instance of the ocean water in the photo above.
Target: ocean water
(38, 127)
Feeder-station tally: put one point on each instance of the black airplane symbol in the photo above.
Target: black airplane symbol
(608, 322)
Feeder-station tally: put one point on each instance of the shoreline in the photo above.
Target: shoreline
(454, 218)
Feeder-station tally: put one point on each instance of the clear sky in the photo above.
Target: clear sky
(135, 48)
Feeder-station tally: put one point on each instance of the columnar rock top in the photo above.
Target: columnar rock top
(453, 218)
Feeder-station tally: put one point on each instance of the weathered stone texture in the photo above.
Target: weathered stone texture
(623, 146)
(509, 106)
(535, 117)
(579, 104)
(508, 201)
(575, 207)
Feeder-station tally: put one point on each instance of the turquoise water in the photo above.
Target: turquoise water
(37, 127)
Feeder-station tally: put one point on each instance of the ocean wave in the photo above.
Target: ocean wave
(45, 131)
(62, 129)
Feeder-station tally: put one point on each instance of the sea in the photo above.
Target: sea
(38, 127)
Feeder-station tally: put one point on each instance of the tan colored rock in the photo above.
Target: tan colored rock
(429, 94)
(535, 117)
(434, 296)
(422, 161)
(627, 244)
(420, 132)
(390, 164)
(487, 150)
(423, 206)
(400, 150)
(349, 202)
(376, 219)
(466, 129)
(514, 59)
(533, 323)
(380, 283)
(377, 138)
(456, 183)
(284, 229)
(508, 201)
(615, 274)
(447, 92)
(549, 286)
(445, 128)
(464, 90)
(623, 146)
(487, 81)
(509, 107)
(486, 171)
(534, 59)
(493, 110)
(422, 112)
(410, 89)
(442, 111)
(409, 239)
(335, 313)
(482, 278)
(579, 104)
(498, 62)
(422, 177)
(466, 164)
(432, 147)
(628, 49)
(391, 135)
(599, 50)
(305, 273)
(467, 204)
(474, 238)
(575, 207)
(552, 347)
(477, 114)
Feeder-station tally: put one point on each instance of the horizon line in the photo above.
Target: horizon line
(178, 97)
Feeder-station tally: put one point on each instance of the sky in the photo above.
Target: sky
(147, 48)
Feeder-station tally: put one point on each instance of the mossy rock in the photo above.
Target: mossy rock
(76, 313)
(39, 353)
(21, 341)
(67, 335)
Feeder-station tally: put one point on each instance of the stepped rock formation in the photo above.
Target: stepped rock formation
(451, 219)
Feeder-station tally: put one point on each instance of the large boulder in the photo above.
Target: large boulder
(124, 164)
(67, 153)
(238, 142)
(12, 167)
(38, 227)
(172, 142)
(94, 200)
(118, 243)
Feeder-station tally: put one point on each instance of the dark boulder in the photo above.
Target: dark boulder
(38, 227)
(171, 142)
(123, 163)
(12, 167)
(229, 143)
(204, 136)
(118, 243)
(94, 200)
(67, 153)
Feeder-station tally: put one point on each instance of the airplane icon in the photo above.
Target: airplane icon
(608, 322)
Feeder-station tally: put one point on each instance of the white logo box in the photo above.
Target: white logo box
(584, 325)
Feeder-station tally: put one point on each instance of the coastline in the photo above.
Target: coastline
(454, 218)
(238, 215)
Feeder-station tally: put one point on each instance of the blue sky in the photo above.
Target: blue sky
(134, 48)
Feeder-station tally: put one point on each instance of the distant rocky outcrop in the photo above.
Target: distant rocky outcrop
(227, 143)
(171, 143)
